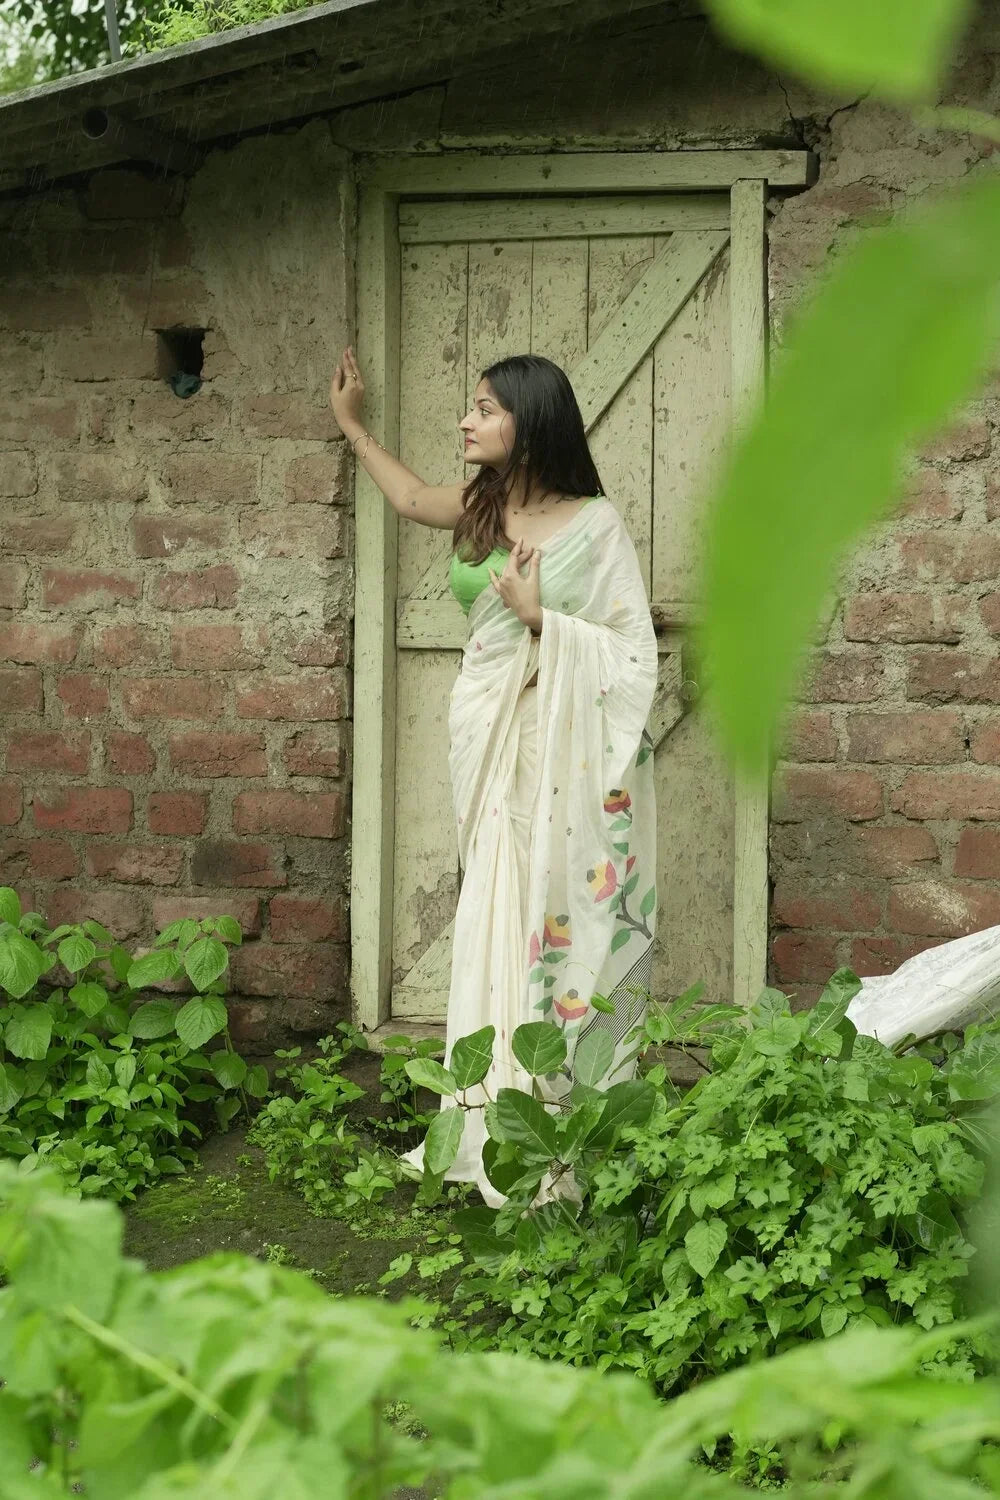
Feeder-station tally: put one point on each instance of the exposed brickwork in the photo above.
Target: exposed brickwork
(176, 583)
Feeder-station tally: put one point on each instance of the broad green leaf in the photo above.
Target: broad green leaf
(703, 1244)
(29, 1031)
(428, 1074)
(593, 1057)
(11, 1087)
(125, 1069)
(777, 1036)
(525, 1121)
(153, 969)
(76, 952)
(900, 334)
(205, 960)
(10, 905)
(154, 1019)
(539, 1046)
(897, 49)
(21, 964)
(471, 1057)
(89, 997)
(628, 1103)
(229, 929)
(974, 1071)
(444, 1135)
(181, 933)
(832, 1318)
(229, 1068)
(256, 1084)
(98, 1072)
(202, 1017)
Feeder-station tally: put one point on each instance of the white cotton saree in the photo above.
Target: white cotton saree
(555, 812)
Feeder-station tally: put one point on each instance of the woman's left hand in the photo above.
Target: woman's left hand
(522, 595)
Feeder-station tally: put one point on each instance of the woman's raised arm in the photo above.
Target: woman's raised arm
(410, 497)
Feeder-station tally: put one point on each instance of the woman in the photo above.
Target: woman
(551, 764)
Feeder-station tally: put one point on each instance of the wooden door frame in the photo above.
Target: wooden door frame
(383, 182)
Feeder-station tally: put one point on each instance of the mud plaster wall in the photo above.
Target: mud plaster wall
(176, 583)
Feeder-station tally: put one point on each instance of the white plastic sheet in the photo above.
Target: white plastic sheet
(941, 989)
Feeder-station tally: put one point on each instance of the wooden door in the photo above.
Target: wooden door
(631, 296)
(643, 274)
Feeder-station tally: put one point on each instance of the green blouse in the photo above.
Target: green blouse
(469, 579)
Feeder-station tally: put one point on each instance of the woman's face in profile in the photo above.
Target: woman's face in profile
(487, 429)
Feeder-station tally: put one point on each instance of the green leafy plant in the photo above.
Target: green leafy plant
(230, 1377)
(96, 1078)
(812, 1180)
(398, 1088)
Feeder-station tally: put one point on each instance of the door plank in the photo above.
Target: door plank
(500, 219)
(588, 171)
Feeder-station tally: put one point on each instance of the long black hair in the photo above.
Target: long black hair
(550, 448)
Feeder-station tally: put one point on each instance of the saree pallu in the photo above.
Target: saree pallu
(556, 817)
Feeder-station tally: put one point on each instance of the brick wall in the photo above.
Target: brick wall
(176, 585)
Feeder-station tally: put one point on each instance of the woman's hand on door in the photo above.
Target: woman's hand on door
(347, 393)
(522, 595)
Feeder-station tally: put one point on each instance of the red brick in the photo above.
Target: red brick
(307, 531)
(294, 698)
(989, 612)
(41, 644)
(13, 585)
(801, 996)
(42, 859)
(46, 535)
(984, 745)
(160, 416)
(966, 558)
(48, 750)
(18, 474)
(164, 535)
(172, 698)
(959, 441)
(308, 814)
(878, 616)
(177, 812)
(87, 588)
(313, 970)
(929, 498)
(29, 419)
(803, 791)
(289, 416)
(249, 1024)
(221, 479)
(220, 646)
(121, 912)
(244, 909)
(882, 955)
(797, 903)
(942, 910)
(228, 863)
(913, 737)
(84, 809)
(893, 850)
(992, 497)
(809, 736)
(136, 864)
(42, 309)
(88, 357)
(11, 801)
(307, 919)
(203, 588)
(21, 690)
(127, 646)
(315, 752)
(949, 794)
(804, 955)
(201, 754)
(97, 478)
(318, 478)
(977, 853)
(130, 754)
(330, 647)
(83, 696)
(942, 676)
(843, 677)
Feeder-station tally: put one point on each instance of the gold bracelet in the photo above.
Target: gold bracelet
(357, 440)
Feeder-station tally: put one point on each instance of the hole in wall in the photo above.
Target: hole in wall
(180, 358)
